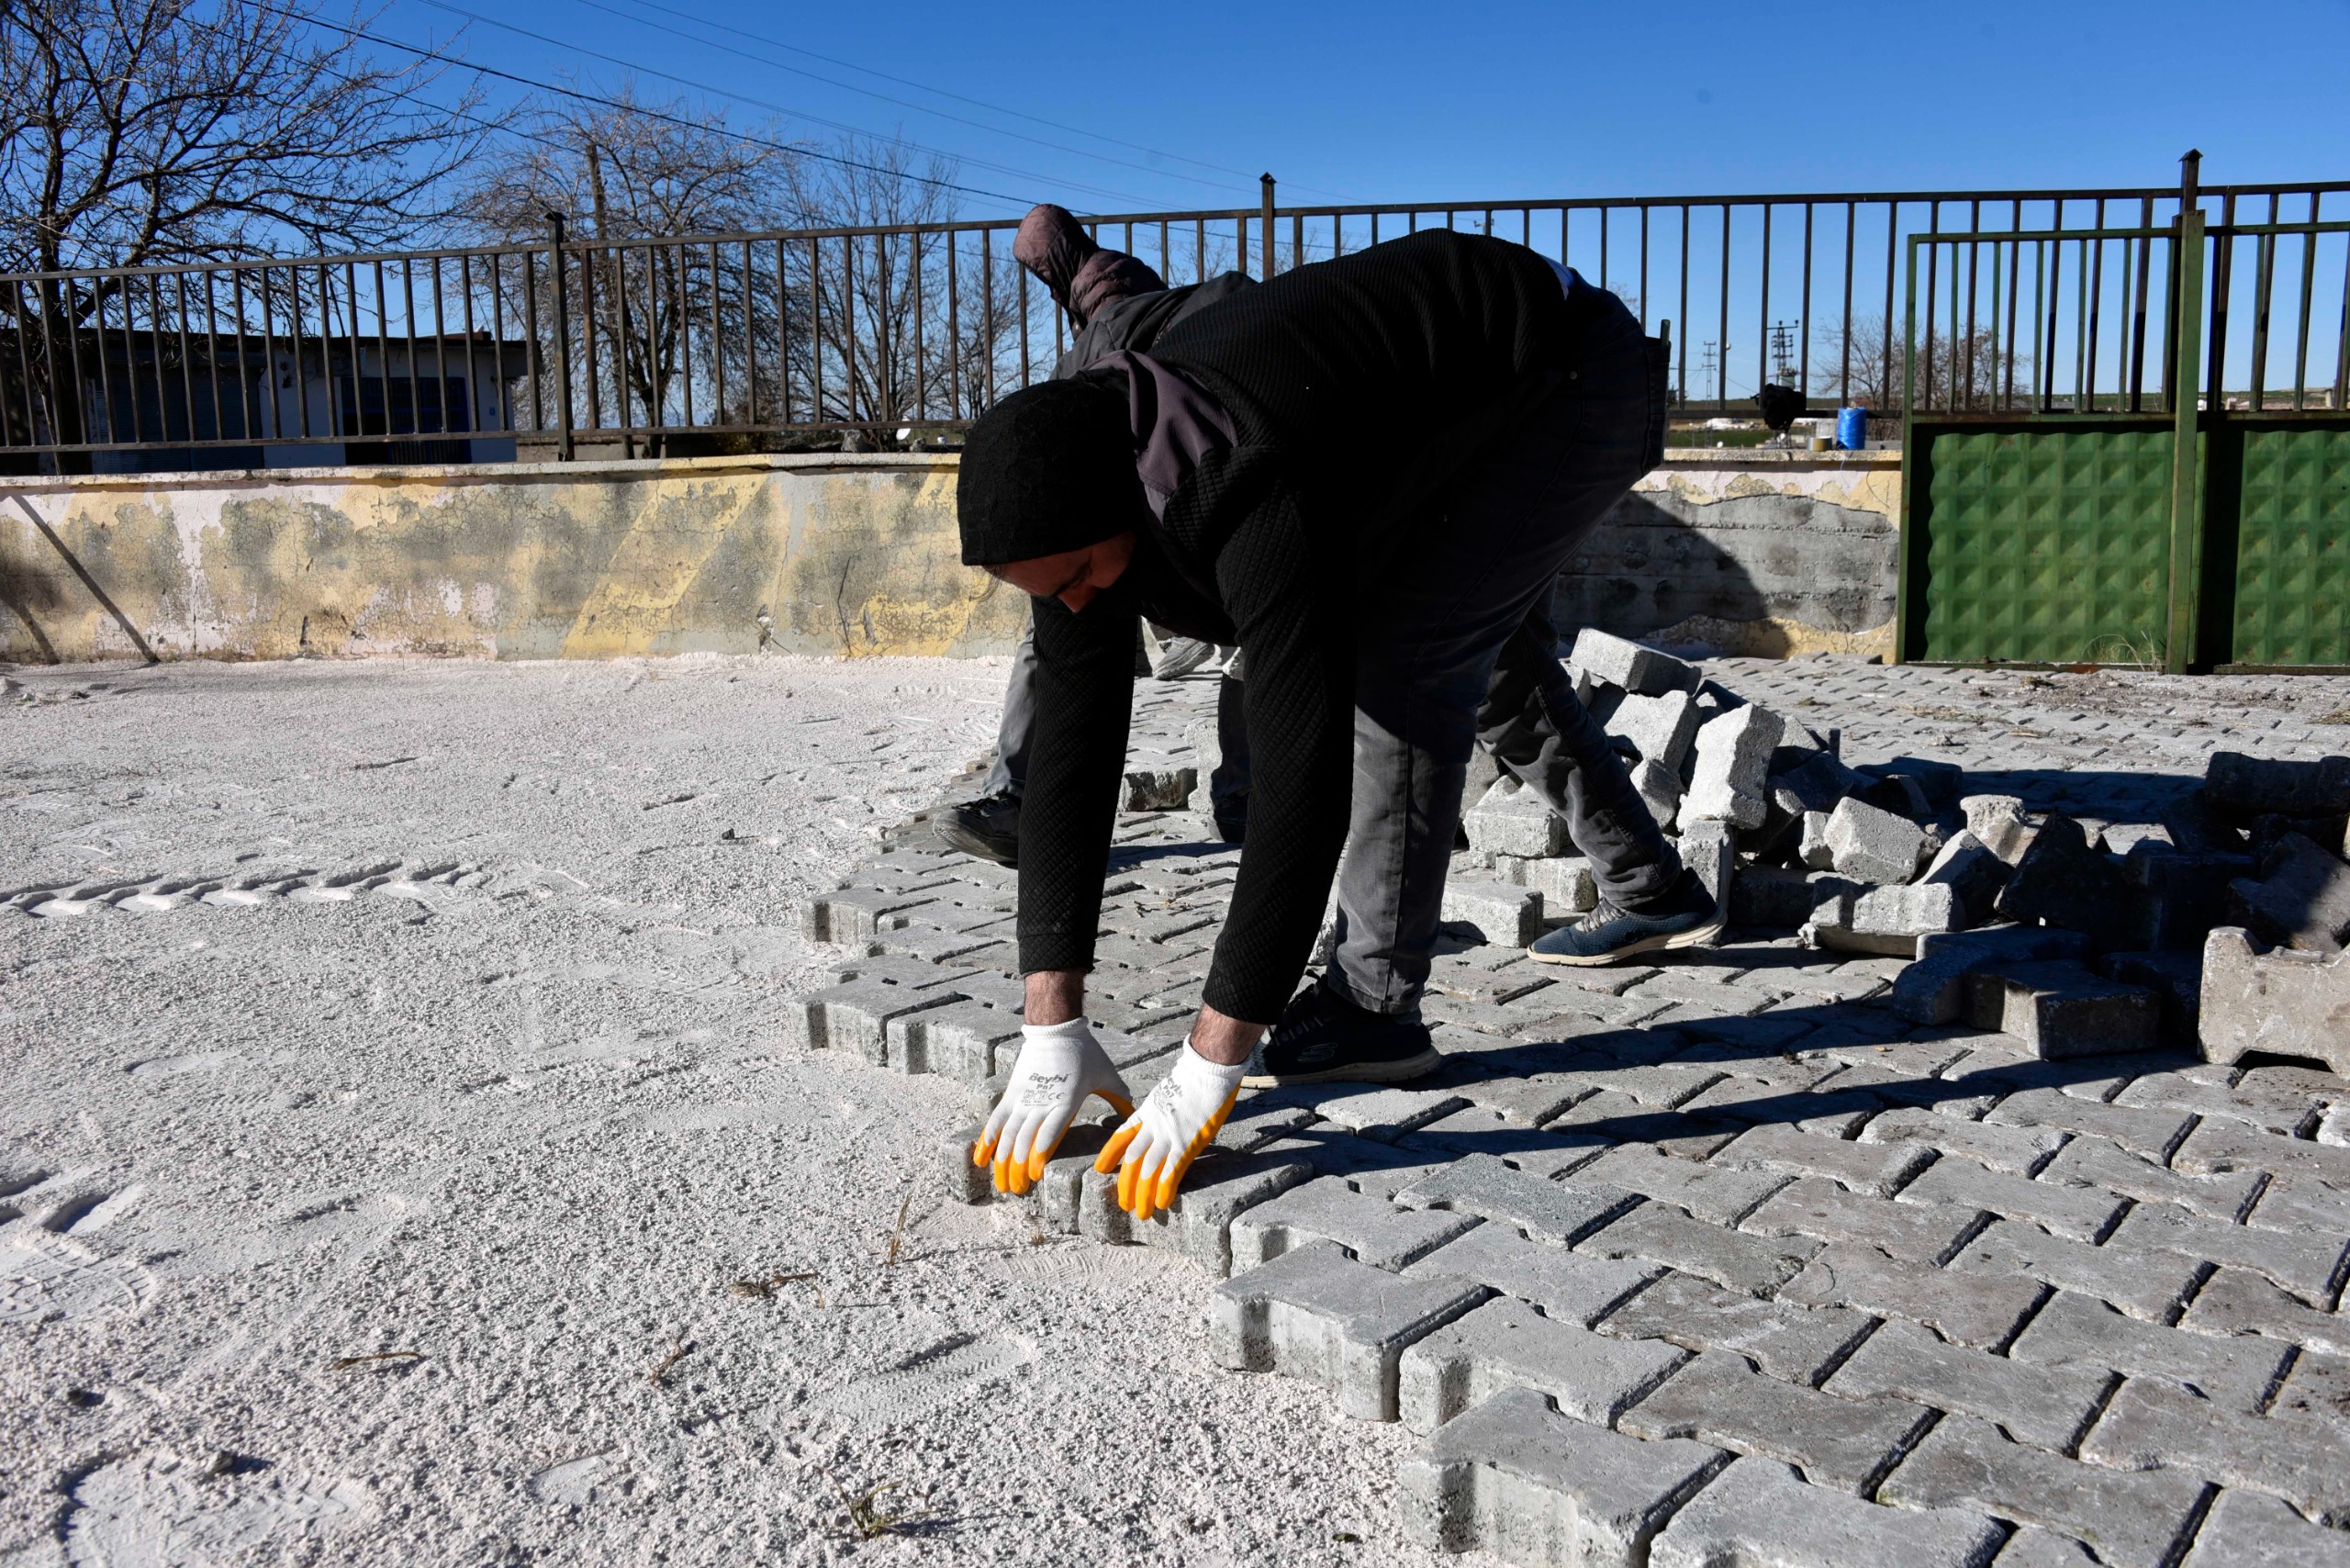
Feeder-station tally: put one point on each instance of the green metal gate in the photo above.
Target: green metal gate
(2190, 530)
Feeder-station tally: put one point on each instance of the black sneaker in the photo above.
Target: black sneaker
(987, 827)
(1683, 915)
(1178, 656)
(1324, 1038)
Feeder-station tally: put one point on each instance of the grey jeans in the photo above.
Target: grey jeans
(1228, 787)
(1456, 645)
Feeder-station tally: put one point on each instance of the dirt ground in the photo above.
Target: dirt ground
(518, 1124)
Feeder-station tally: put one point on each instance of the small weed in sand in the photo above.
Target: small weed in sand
(678, 1352)
(354, 1363)
(2339, 716)
(869, 1519)
(898, 1235)
(762, 1289)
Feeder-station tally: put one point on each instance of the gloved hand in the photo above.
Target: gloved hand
(1154, 1150)
(1059, 1064)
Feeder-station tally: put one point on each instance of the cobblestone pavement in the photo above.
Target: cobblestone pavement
(1717, 1259)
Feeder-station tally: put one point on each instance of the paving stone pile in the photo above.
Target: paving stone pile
(1984, 1195)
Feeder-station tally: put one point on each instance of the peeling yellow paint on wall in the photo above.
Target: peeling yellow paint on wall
(845, 555)
(849, 556)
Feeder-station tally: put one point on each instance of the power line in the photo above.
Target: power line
(901, 103)
(797, 150)
(958, 97)
(766, 104)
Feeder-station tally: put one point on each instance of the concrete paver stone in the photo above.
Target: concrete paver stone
(1966, 1309)
(2291, 1002)
(1566, 1286)
(1327, 1209)
(2084, 1214)
(1717, 1398)
(2132, 1520)
(2043, 1405)
(1505, 1342)
(2155, 1425)
(1733, 765)
(1876, 1170)
(1759, 1514)
(2235, 1302)
(2075, 1331)
(2252, 1529)
(1871, 844)
(1515, 1478)
(1200, 1224)
(1795, 1344)
(1754, 1265)
(2148, 1285)
(1316, 1314)
(1919, 1233)
(1547, 1211)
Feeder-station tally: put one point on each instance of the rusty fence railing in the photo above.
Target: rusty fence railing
(708, 344)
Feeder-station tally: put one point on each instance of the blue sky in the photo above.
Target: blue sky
(1395, 102)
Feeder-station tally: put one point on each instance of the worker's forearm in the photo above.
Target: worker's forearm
(1224, 1039)
(1054, 996)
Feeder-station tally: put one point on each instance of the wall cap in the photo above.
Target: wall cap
(1763, 457)
(445, 473)
(756, 463)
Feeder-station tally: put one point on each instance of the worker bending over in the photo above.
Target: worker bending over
(1366, 472)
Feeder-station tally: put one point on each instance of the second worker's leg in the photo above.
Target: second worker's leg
(988, 826)
(1534, 727)
(1648, 899)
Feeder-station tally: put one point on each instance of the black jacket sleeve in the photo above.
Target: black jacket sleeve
(1300, 704)
(1085, 678)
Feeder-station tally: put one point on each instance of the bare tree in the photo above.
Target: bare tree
(654, 323)
(910, 328)
(805, 326)
(143, 131)
(1974, 373)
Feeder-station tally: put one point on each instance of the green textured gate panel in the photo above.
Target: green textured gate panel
(2292, 599)
(2042, 546)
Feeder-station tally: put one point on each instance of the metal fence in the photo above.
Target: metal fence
(2185, 512)
(681, 345)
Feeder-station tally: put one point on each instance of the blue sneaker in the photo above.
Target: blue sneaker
(1683, 915)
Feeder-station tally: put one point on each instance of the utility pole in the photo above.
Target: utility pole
(1708, 358)
(1783, 352)
(619, 293)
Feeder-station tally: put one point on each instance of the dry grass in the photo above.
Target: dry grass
(678, 1352)
(898, 1234)
(354, 1363)
(762, 1289)
(867, 1519)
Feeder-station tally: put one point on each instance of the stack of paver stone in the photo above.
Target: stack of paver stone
(1794, 1250)
(2071, 938)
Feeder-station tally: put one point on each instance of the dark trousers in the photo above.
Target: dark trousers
(1454, 643)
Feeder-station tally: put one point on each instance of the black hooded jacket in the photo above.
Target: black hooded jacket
(1354, 388)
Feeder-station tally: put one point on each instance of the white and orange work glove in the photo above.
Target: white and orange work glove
(1154, 1150)
(1059, 1064)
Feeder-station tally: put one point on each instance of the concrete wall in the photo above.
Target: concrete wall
(843, 555)
(1761, 553)
(1772, 554)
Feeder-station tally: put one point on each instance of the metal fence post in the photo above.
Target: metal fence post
(562, 342)
(1265, 183)
(2180, 651)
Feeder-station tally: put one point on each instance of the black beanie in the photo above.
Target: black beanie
(1048, 469)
